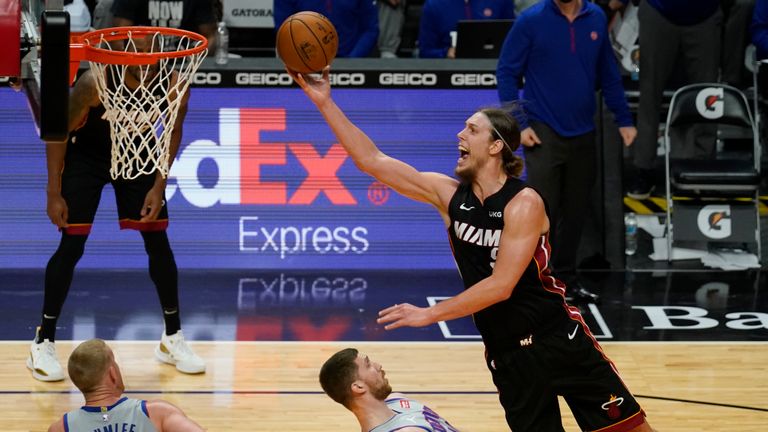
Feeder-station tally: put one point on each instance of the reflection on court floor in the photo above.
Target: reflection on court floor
(252, 305)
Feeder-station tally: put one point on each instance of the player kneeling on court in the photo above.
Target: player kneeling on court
(359, 383)
(93, 370)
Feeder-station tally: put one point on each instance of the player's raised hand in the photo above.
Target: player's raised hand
(405, 315)
(57, 209)
(317, 87)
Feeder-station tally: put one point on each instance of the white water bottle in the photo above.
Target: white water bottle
(222, 43)
(630, 234)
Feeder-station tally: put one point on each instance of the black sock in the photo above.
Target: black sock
(47, 328)
(58, 278)
(172, 322)
(163, 271)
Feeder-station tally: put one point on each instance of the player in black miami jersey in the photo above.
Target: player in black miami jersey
(78, 170)
(537, 346)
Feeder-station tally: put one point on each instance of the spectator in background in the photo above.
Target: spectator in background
(391, 19)
(521, 5)
(193, 15)
(79, 16)
(356, 21)
(737, 16)
(562, 49)
(759, 29)
(102, 14)
(440, 17)
(672, 31)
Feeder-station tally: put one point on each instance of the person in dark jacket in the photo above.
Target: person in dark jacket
(672, 31)
(439, 19)
(737, 14)
(356, 21)
(562, 50)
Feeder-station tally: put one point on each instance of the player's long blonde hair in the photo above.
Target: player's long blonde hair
(504, 127)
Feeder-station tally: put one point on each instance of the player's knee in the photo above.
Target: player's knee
(157, 245)
(72, 247)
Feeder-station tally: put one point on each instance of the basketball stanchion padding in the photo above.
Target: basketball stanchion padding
(141, 75)
(10, 29)
(54, 87)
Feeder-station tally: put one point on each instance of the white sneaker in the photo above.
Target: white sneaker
(43, 363)
(174, 350)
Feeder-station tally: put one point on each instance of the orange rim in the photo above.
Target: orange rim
(86, 45)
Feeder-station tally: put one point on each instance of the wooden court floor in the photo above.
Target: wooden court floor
(263, 386)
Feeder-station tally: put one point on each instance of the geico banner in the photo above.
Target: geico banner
(248, 13)
(351, 79)
(260, 181)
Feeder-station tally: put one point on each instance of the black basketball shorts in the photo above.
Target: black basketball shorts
(82, 182)
(566, 361)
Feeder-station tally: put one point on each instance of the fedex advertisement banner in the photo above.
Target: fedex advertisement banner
(261, 182)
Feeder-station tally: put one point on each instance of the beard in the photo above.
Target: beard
(466, 174)
(381, 392)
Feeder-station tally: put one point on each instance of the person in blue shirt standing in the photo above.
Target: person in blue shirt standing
(759, 29)
(439, 19)
(562, 50)
(759, 32)
(356, 21)
(671, 31)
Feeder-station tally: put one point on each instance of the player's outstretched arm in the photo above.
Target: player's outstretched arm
(167, 417)
(519, 239)
(428, 187)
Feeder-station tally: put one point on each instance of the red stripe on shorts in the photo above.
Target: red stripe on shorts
(77, 229)
(156, 225)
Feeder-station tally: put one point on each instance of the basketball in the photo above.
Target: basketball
(307, 42)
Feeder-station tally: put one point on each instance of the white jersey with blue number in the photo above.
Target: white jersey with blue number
(411, 413)
(126, 415)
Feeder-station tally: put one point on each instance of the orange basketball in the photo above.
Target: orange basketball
(307, 42)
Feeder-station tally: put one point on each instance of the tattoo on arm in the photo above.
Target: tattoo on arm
(84, 97)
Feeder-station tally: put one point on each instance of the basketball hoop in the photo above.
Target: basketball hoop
(141, 74)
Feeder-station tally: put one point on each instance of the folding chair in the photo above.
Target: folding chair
(715, 198)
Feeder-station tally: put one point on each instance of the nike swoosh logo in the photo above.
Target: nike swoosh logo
(463, 207)
(573, 334)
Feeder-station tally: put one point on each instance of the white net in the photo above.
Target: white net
(142, 102)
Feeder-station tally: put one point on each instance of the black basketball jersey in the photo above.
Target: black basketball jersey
(537, 301)
(93, 139)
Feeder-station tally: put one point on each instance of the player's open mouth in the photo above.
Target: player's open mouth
(463, 153)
